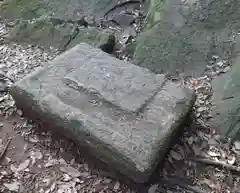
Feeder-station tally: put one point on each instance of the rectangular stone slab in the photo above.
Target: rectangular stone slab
(122, 114)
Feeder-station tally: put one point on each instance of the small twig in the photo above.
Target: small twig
(217, 163)
(5, 149)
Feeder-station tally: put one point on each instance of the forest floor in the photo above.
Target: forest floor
(34, 160)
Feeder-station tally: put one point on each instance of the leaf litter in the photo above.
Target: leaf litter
(70, 171)
(201, 159)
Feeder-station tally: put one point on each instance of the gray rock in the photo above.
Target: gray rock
(182, 36)
(123, 19)
(103, 39)
(226, 102)
(122, 114)
(71, 9)
(67, 10)
(62, 36)
(43, 33)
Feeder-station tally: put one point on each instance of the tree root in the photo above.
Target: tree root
(217, 163)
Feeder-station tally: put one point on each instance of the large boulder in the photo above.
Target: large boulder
(121, 113)
(48, 33)
(226, 103)
(43, 33)
(72, 9)
(183, 35)
(103, 39)
(56, 22)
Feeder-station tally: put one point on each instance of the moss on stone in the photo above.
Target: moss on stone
(70, 9)
(26, 9)
(183, 37)
(226, 103)
(93, 36)
(46, 34)
(43, 33)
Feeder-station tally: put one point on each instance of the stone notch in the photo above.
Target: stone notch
(122, 114)
(117, 83)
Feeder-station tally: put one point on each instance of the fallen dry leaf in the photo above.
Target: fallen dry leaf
(4, 173)
(70, 171)
(49, 180)
(35, 155)
(190, 140)
(22, 166)
(13, 168)
(62, 161)
(236, 145)
(67, 187)
(33, 139)
(209, 183)
(153, 188)
(181, 150)
(53, 186)
(231, 159)
(116, 185)
(196, 150)
(51, 162)
(66, 178)
(14, 186)
(212, 141)
(175, 155)
(170, 159)
(214, 152)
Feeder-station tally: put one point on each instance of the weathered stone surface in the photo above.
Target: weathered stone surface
(54, 22)
(43, 33)
(182, 36)
(123, 114)
(72, 9)
(46, 33)
(226, 102)
(96, 37)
